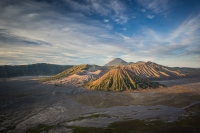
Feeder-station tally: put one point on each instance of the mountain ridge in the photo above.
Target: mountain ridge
(152, 70)
(38, 69)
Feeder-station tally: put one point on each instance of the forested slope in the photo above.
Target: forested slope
(31, 70)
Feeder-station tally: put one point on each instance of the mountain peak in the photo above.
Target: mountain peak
(117, 59)
(116, 62)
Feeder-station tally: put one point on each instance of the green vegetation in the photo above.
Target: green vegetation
(74, 70)
(188, 124)
(31, 70)
(185, 125)
(120, 79)
(67, 72)
(44, 128)
(40, 128)
(137, 126)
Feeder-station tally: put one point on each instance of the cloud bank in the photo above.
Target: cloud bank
(91, 31)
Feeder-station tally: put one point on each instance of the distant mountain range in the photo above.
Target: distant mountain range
(116, 75)
(31, 70)
(119, 75)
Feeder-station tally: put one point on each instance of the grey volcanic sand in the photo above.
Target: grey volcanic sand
(26, 103)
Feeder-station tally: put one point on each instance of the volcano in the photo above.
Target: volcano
(119, 79)
(116, 62)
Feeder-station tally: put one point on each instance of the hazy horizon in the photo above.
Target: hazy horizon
(72, 32)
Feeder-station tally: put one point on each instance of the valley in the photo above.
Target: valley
(112, 98)
(30, 106)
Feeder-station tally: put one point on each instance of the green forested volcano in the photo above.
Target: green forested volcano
(119, 79)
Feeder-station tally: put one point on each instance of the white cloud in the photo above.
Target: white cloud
(121, 19)
(150, 16)
(106, 20)
(181, 43)
(64, 32)
(187, 28)
(113, 8)
(143, 10)
(157, 6)
(73, 41)
(32, 14)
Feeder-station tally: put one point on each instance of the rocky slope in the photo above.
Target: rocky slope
(78, 79)
(119, 79)
(77, 75)
(67, 72)
(152, 70)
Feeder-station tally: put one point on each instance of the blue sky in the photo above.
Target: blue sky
(96, 31)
